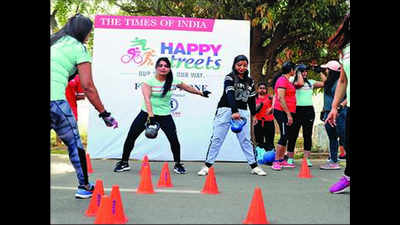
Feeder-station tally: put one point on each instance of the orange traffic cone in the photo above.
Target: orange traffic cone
(89, 164)
(117, 207)
(96, 199)
(304, 170)
(145, 185)
(145, 162)
(256, 213)
(210, 187)
(165, 177)
(104, 215)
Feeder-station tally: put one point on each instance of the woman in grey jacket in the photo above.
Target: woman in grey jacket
(239, 91)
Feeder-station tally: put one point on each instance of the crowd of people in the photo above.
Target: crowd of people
(290, 105)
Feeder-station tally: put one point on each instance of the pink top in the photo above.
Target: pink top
(290, 94)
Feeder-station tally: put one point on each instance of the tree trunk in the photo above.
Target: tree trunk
(257, 54)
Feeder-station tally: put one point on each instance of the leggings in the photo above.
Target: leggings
(138, 126)
(63, 122)
(264, 132)
(284, 129)
(304, 117)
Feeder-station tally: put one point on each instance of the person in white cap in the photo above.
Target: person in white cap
(332, 69)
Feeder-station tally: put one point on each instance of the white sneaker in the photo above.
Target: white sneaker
(257, 170)
(203, 171)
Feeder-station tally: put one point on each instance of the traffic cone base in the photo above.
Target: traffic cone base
(210, 186)
(104, 215)
(96, 199)
(165, 177)
(256, 213)
(305, 171)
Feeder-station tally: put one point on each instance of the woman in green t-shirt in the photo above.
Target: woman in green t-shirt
(68, 56)
(305, 115)
(156, 108)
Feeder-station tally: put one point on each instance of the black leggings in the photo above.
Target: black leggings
(138, 126)
(285, 130)
(264, 132)
(347, 145)
(304, 117)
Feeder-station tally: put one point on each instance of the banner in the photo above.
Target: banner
(201, 52)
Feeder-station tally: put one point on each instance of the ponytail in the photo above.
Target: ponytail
(167, 84)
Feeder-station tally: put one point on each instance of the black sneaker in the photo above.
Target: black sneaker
(179, 169)
(122, 166)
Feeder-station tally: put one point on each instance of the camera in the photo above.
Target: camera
(302, 67)
(316, 69)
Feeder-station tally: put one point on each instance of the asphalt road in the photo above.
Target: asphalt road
(287, 198)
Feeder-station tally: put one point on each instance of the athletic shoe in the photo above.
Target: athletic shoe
(330, 166)
(122, 166)
(276, 166)
(291, 162)
(340, 186)
(285, 164)
(84, 192)
(342, 156)
(257, 170)
(309, 164)
(203, 171)
(179, 169)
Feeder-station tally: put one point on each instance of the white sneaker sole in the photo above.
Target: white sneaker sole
(341, 191)
(254, 173)
(177, 172)
(82, 196)
(124, 169)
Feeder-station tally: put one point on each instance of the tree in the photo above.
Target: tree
(62, 10)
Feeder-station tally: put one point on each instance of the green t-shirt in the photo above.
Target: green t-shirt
(345, 61)
(161, 105)
(304, 94)
(65, 55)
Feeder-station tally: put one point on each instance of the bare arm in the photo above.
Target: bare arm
(339, 94)
(85, 75)
(189, 89)
(318, 84)
(340, 89)
(146, 90)
(281, 98)
(300, 81)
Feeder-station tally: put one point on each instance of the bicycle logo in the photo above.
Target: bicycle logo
(135, 54)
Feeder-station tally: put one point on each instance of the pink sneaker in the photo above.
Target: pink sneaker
(285, 164)
(276, 166)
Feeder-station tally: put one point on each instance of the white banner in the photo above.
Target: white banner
(201, 52)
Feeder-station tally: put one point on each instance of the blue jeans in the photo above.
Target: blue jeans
(64, 124)
(336, 132)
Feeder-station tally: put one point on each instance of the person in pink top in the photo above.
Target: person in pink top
(284, 110)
